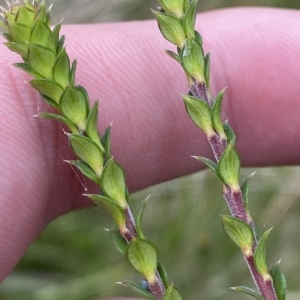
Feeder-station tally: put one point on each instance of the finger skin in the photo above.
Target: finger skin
(255, 52)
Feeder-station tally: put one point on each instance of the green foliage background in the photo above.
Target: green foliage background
(75, 259)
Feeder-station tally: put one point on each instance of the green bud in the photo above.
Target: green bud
(229, 168)
(143, 257)
(248, 291)
(216, 115)
(171, 294)
(88, 151)
(192, 58)
(260, 260)
(240, 233)
(199, 112)
(74, 105)
(279, 281)
(113, 183)
(171, 28)
(112, 208)
(175, 7)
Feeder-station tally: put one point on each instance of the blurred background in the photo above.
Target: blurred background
(74, 259)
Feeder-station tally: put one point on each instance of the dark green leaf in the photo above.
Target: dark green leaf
(211, 164)
(139, 219)
(138, 288)
(61, 69)
(279, 281)
(229, 133)
(118, 240)
(189, 20)
(73, 73)
(173, 55)
(53, 41)
(106, 143)
(207, 70)
(216, 115)
(26, 68)
(245, 190)
(143, 257)
(163, 273)
(171, 294)
(17, 48)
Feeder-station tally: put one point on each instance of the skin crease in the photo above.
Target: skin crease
(255, 52)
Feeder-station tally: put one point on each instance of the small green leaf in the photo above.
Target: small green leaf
(88, 151)
(229, 168)
(40, 34)
(113, 182)
(25, 16)
(50, 101)
(17, 48)
(163, 273)
(92, 126)
(279, 281)
(118, 240)
(192, 58)
(216, 115)
(189, 19)
(85, 170)
(211, 164)
(42, 14)
(174, 7)
(73, 73)
(26, 68)
(112, 208)
(245, 190)
(105, 141)
(139, 219)
(248, 291)
(171, 28)
(199, 39)
(143, 257)
(173, 55)
(171, 294)
(53, 41)
(48, 88)
(199, 112)
(41, 59)
(20, 33)
(207, 70)
(138, 288)
(240, 233)
(229, 133)
(260, 260)
(61, 119)
(74, 105)
(61, 69)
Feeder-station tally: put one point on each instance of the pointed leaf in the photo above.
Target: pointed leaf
(54, 38)
(139, 219)
(173, 55)
(189, 19)
(260, 254)
(25, 16)
(92, 126)
(50, 101)
(207, 70)
(138, 288)
(199, 39)
(111, 208)
(163, 273)
(229, 133)
(192, 58)
(171, 28)
(40, 34)
(41, 59)
(48, 88)
(17, 48)
(85, 170)
(105, 141)
(229, 168)
(88, 151)
(279, 281)
(61, 119)
(248, 291)
(199, 112)
(216, 115)
(61, 69)
(143, 257)
(119, 241)
(73, 73)
(26, 68)
(113, 183)
(240, 233)
(74, 105)
(211, 164)
(171, 294)
(245, 190)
